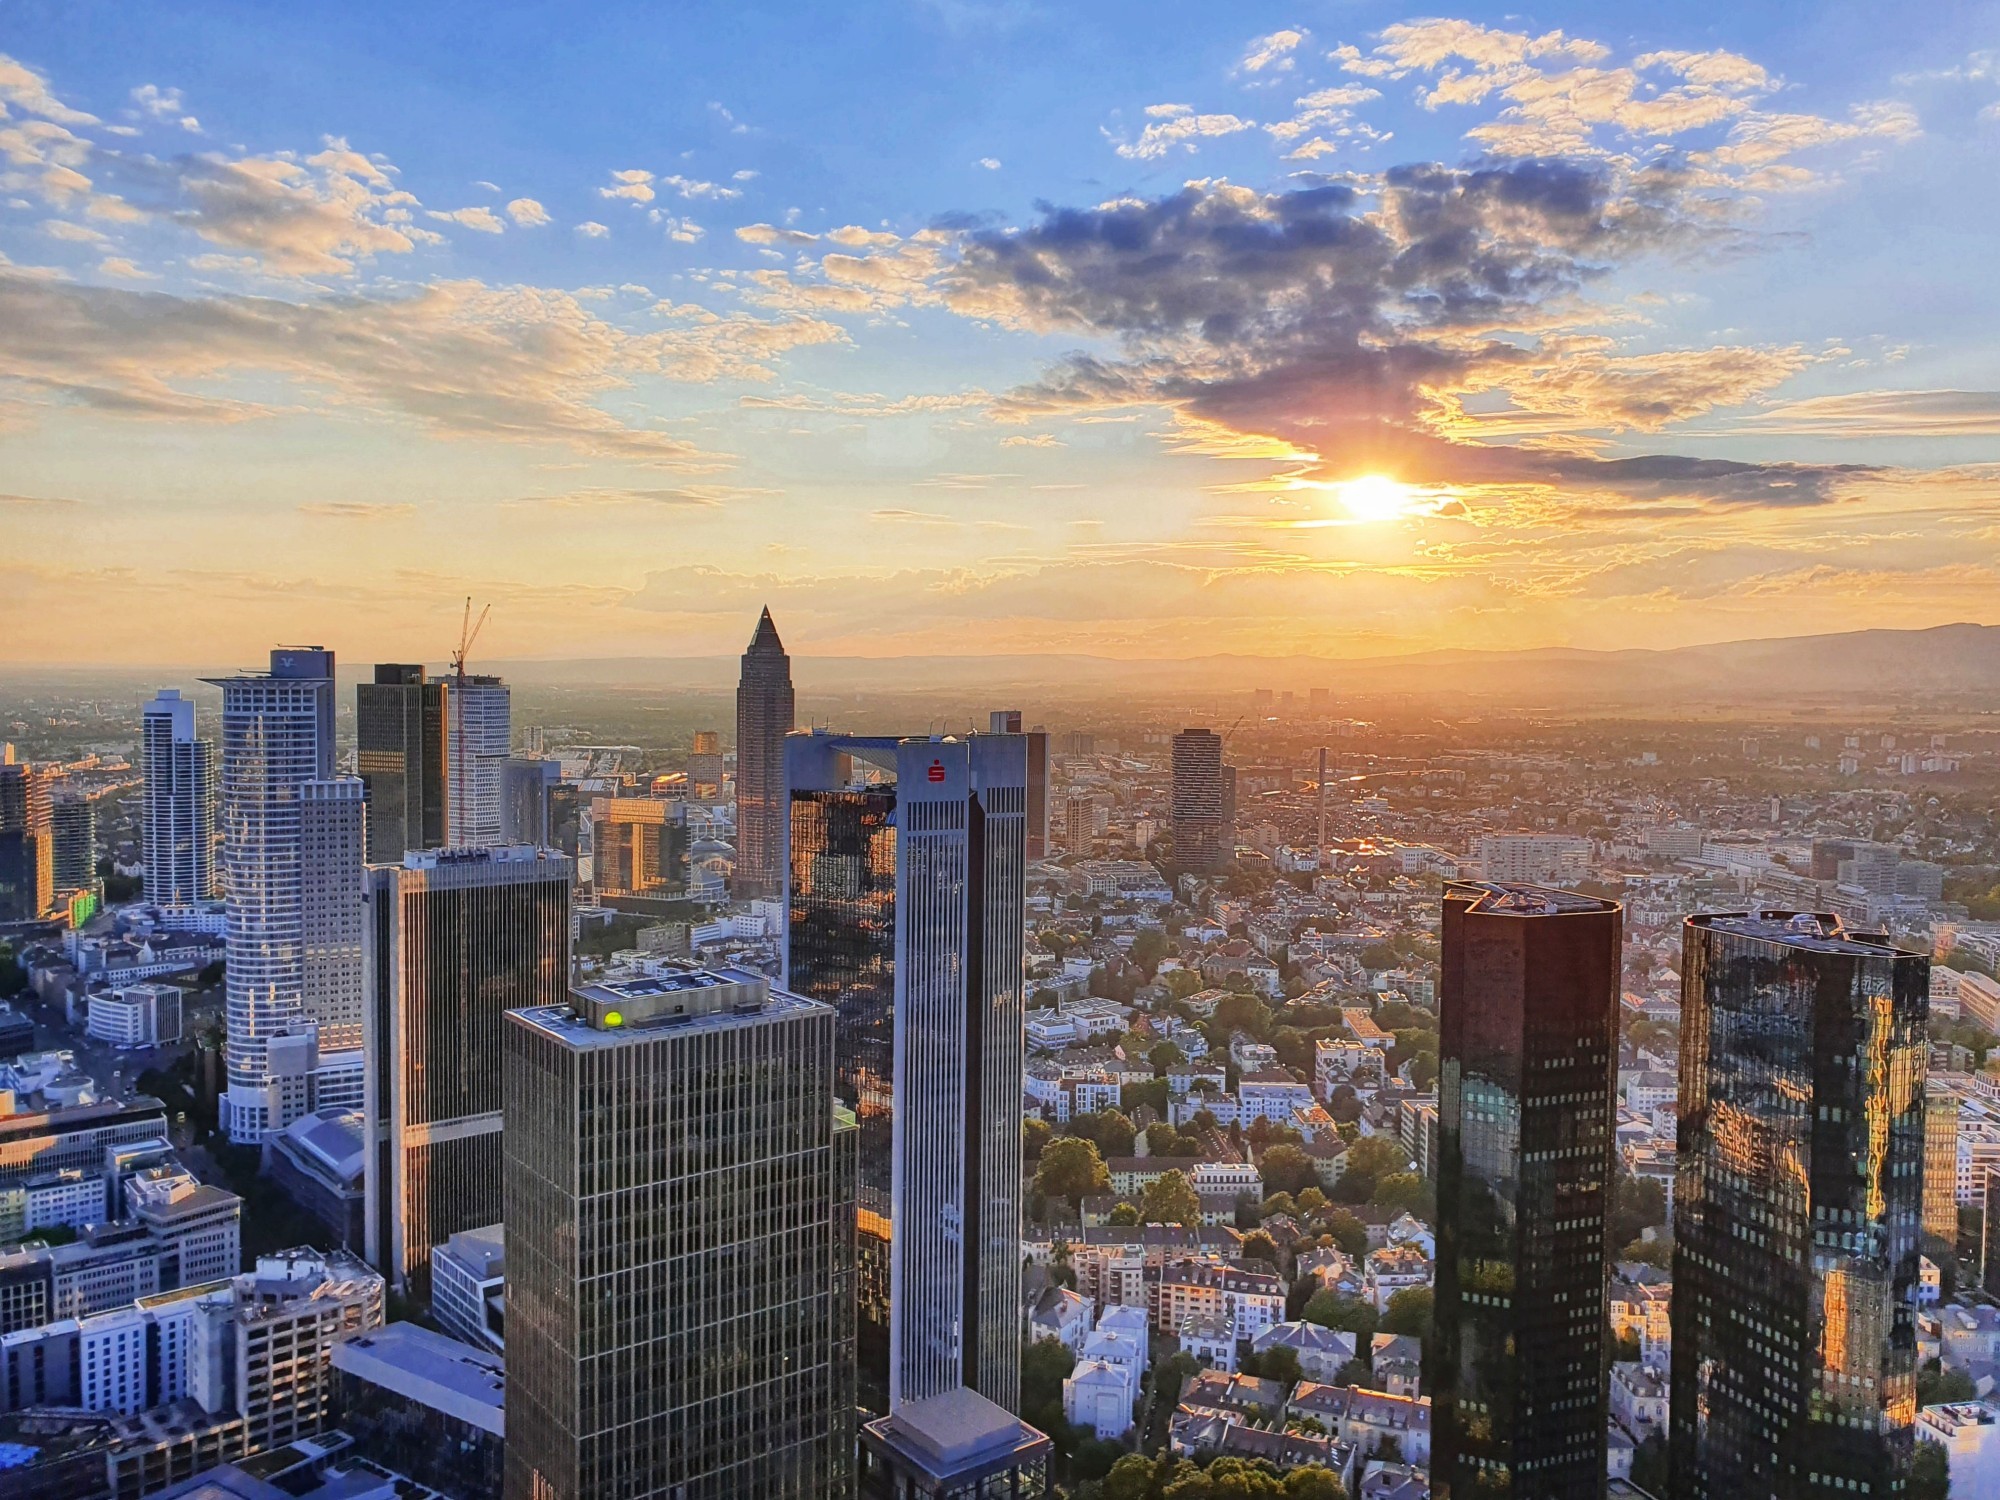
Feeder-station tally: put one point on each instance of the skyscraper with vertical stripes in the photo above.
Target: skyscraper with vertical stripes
(905, 911)
(478, 734)
(177, 816)
(764, 715)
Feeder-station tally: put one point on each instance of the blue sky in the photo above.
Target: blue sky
(998, 327)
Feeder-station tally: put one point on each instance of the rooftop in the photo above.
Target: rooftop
(1522, 900)
(602, 1014)
(431, 1370)
(958, 1432)
(1817, 932)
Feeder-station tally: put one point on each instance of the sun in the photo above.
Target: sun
(1373, 497)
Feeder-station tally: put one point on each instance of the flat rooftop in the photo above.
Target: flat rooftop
(676, 1000)
(432, 1370)
(1814, 931)
(1513, 899)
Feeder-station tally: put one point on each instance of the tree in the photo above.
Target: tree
(1280, 1362)
(1258, 1245)
(1331, 1310)
(1035, 1135)
(1357, 1371)
(1625, 1349)
(1404, 1191)
(1637, 1204)
(1170, 1199)
(1348, 1232)
(1131, 1478)
(12, 979)
(1071, 1168)
(1277, 1203)
(1242, 1013)
(1409, 1312)
(1164, 1056)
(1930, 1475)
(1345, 1105)
(1314, 1483)
(1152, 1092)
(1311, 1201)
(1424, 1068)
(1649, 1464)
(1287, 1169)
(1124, 1216)
(1110, 1129)
(1936, 1386)
(1656, 1252)
(1376, 1155)
(1045, 1365)
(1148, 948)
(1164, 1140)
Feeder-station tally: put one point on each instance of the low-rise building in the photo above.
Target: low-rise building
(1210, 1342)
(1098, 1395)
(1322, 1352)
(469, 1286)
(1249, 1301)
(1969, 1433)
(426, 1405)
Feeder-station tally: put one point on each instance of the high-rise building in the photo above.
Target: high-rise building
(1008, 721)
(639, 852)
(401, 756)
(73, 832)
(704, 766)
(905, 912)
(27, 844)
(679, 1244)
(478, 736)
(1079, 822)
(277, 735)
(456, 938)
(177, 818)
(1527, 1081)
(333, 832)
(764, 716)
(1204, 839)
(526, 791)
(1941, 1115)
(1797, 1208)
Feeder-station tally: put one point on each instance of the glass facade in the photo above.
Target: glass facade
(1528, 1061)
(639, 850)
(679, 1256)
(841, 951)
(765, 710)
(1204, 836)
(1797, 1209)
(399, 733)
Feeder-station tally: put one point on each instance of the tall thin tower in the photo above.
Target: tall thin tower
(277, 735)
(764, 716)
(481, 730)
(1320, 864)
(177, 827)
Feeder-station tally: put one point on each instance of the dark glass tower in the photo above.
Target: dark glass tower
(27, 845)
(679, 1245)
(400, 748)
(456, 938)
(764, 713)
(1203, 836)
(1797, 1209)
(1527, 1070)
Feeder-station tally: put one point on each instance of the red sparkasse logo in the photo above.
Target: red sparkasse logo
(936, 772)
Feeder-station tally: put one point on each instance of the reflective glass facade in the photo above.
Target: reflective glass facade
(764, 716)
(399, 734)
(679, 1257)
(1797, 1209)
(1528, 1062)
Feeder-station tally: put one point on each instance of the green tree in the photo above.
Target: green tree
(1045, 1365)
(1409, 1312)
(1242, 1013)
(1131, 1478)
(1377, 1156)
(1148, 948)
(1930, 1475)
(1164, 1140)
(1348, 1232)
(1311, 1201)
(1071, 1167)
(1035, 1135)
(1649, 1465)
(1287, 1169)
(1314, 1482)
(1936, 1386)
(1170, 1199)
(1656, 1252)
(1164, 1056)
(1109, 1128)
(1258, 1245)
(1276, 1363)
(1401, 1191)
(1357, 1371)
(1331, 1310)
(1124, 1216)
(12, 978)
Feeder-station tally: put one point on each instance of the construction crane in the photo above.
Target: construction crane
(1230, 733)
(457, 774)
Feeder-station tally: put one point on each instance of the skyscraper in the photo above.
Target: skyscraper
(277, 735)
(333, 832)
(764, 716)
(1797, 1208)
(680, 1229)
(1204, 841)
(1008, 721)
(177, 818)
(73, 833)
(27, 843)
(479, 731)
(401, 755)
(1527, 1074)
(639, 852)
(905, 912)
(456, 938)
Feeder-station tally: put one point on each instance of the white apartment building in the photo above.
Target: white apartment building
(1533, 858)
(136, 1015)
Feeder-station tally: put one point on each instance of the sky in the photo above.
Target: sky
(948, 326)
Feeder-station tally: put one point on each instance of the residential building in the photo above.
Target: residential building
(765, 714)
(1249, 1301)
(478, 740)
(1322, 1352)
(277, 735)
(73, 842)
(906, 911)
(1204, 832)
(177, 813)
(27, 840)
(401, 757)
(679, 1201)
(1796, 1224)
(1969, 1432)
(1528, 1057)
(1532, 858)
(457, 937)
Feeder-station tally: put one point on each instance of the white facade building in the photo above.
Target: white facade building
(136, 1015)
(1098, 1395)
(477, 741)
(177, 815)
(1533, 858)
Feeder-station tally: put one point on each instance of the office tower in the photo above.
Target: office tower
(905, 912)
(332, 831)
(1941, 1115)
(1797, 1206)
(1527, 1077)
(704, 765)
(277, 735)
(679, 1244)
(401, 756)
(73, 833)
(457, 938)
(478, 735)
(1203, 838)
(1079, 823)
(764, 711)
(525, 788)
(639, 852)
(1989, 1234)
(27, 846)
(177, 817)
(1008, 721)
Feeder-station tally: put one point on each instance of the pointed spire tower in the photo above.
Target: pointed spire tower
(764, 716)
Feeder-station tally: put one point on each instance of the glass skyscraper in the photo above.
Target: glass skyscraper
(1204, 832)
(177, 817)
(679, 1245)
(400, 754)
(905, 912)
(1527, 1074)
(764, 716)
(478, 734)
(1798, 1208)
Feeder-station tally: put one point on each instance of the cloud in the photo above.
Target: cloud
(63, 229)
(357, 510)
(695, 188)
(1176, 125)
(680, 231)
(911, 517)
(121, 266)
(483, 219)
(456, 359)
(26, 90)
(689, 496)
(591, 229)
(28, 501)
(1271, 53)
(633, 184)
(1880, 414)
(1033, 440)
(770, 234)
(164, 104)
(990, 163)
(527, 213)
